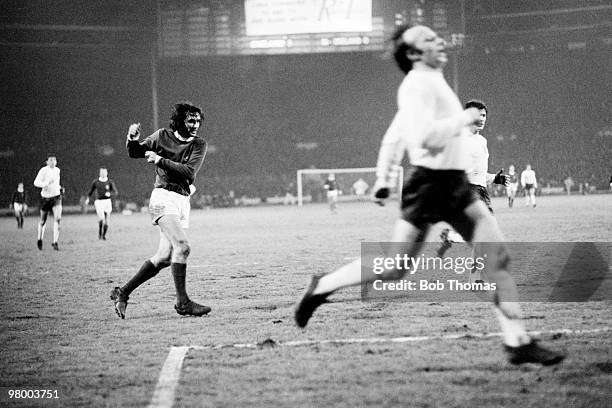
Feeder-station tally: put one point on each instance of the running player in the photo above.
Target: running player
(512, 185)
(478, 175)
(18, 202)
(529, 184)
(331, 185)
(177, 154)
(48, 179)
(360, 187)
(104, 189)
(432, 126)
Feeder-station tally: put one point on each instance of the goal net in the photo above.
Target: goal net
(353, 184)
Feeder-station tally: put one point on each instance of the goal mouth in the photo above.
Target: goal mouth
(353, 184)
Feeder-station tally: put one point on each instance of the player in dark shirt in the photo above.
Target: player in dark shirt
(18, 202)
(331, 185)
(512, 185)
(104, 188)
(177, 154)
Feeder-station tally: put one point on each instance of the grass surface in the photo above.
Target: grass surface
(58, 329)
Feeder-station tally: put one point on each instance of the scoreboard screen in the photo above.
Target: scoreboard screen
(284, 17)
(189, 28)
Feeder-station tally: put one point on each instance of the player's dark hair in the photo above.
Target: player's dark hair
(401, 49)
(475, 103)
(179, 114)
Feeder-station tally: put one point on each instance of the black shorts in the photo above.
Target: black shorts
(430, 196)
(47, 203)
(528, 187)
(483, 194)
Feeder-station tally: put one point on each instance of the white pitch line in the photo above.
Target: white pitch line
(411, 339)
(163, 396)
(222, 265)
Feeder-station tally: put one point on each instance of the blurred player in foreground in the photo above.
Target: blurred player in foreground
(19, 204)
(432, 126)
(512, 185)
(104, 189)
(177, 155)
(529, 184)
(331, 185)
(48, 179)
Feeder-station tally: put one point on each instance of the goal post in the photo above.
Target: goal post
(316, 178)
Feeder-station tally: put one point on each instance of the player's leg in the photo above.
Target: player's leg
(481, 227)
(22, 215)
(100, 215)
(173, 230)
(42, 223)
(149, 269)
(105, 224)
(406, 239)
(17, 212)
(533, 197)
(57, 218)
(108, 208)
(526, 197)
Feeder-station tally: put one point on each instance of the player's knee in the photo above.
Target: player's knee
(183, 248)
(501, 258)
(394, 274)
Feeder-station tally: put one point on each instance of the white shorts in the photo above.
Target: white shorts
(333, 195)
(164, 202)
(20, 207)
(103, 207)
(511, 188)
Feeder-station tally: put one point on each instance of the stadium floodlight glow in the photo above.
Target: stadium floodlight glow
(350, 175)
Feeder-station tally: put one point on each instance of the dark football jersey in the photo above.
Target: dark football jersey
(103, 189)
(331, 185)
(180, 160)
(19, 197)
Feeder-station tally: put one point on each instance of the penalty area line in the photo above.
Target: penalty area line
(408, 339)
(163, 396)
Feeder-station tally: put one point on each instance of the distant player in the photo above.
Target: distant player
(529, 184)
(48, 179)
(19, 204)
(512, 185)
(478, 175)
(432, 126)
(569, 183)
(104, 188)
(177, 154)
(360, 187)
(331, 185)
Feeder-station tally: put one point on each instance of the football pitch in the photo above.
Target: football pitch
(251, 265)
